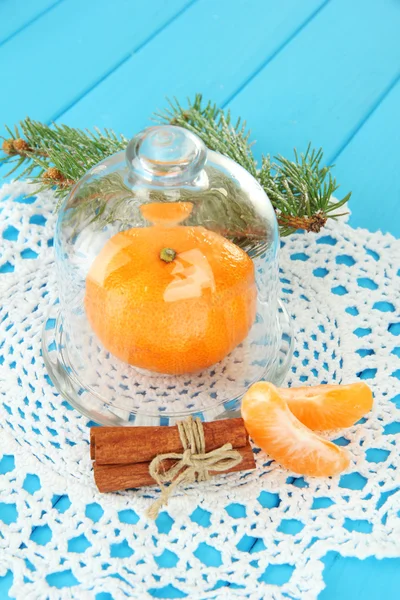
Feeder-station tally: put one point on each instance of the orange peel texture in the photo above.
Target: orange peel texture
(178, 315)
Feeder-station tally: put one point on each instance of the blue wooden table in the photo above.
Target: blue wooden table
(319, 70)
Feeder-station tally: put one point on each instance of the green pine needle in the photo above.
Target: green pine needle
(301, 190)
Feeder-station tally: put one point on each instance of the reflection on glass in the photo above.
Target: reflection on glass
(168, 283)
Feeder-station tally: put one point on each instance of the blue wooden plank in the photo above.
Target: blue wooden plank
(218, 94)
(71, 48)
(5, 584)
(15, 16)
(369, 166)
(224, 50)
(211, 48)
(326, 80)
(353, 579)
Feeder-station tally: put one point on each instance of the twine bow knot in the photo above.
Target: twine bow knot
(193, 464)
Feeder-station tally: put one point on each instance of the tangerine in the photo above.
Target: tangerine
(329, 406)
(276, 430)
(166, 213)
(170, 298)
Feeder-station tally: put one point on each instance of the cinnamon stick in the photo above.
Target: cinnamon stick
(128, 445)
(111, 478)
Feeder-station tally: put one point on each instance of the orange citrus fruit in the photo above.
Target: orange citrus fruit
(171, 299)
(166, 213)
(276, 430)
(329, 406)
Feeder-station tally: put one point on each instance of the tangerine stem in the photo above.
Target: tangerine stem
(167, 255)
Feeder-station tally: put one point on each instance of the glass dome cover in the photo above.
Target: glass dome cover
(166, 257)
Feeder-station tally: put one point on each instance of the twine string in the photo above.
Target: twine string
(193, 464)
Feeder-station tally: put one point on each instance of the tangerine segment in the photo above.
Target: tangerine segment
(166, 213)
(179, 316)
(276, 430)
(329, 406)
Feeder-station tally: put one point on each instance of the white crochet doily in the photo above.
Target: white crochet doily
(257, 535)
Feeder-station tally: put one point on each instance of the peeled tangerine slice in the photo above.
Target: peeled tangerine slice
(329, 406)
(276, 430)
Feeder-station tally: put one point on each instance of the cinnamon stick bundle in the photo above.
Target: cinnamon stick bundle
(123, 455)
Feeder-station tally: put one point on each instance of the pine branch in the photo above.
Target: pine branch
(300, 191)
(214, 127)
(57, 157)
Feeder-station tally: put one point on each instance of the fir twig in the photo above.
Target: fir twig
(300, 191)
(215, 128)
(57, 157)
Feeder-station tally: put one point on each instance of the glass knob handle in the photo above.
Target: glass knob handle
(166, 155)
